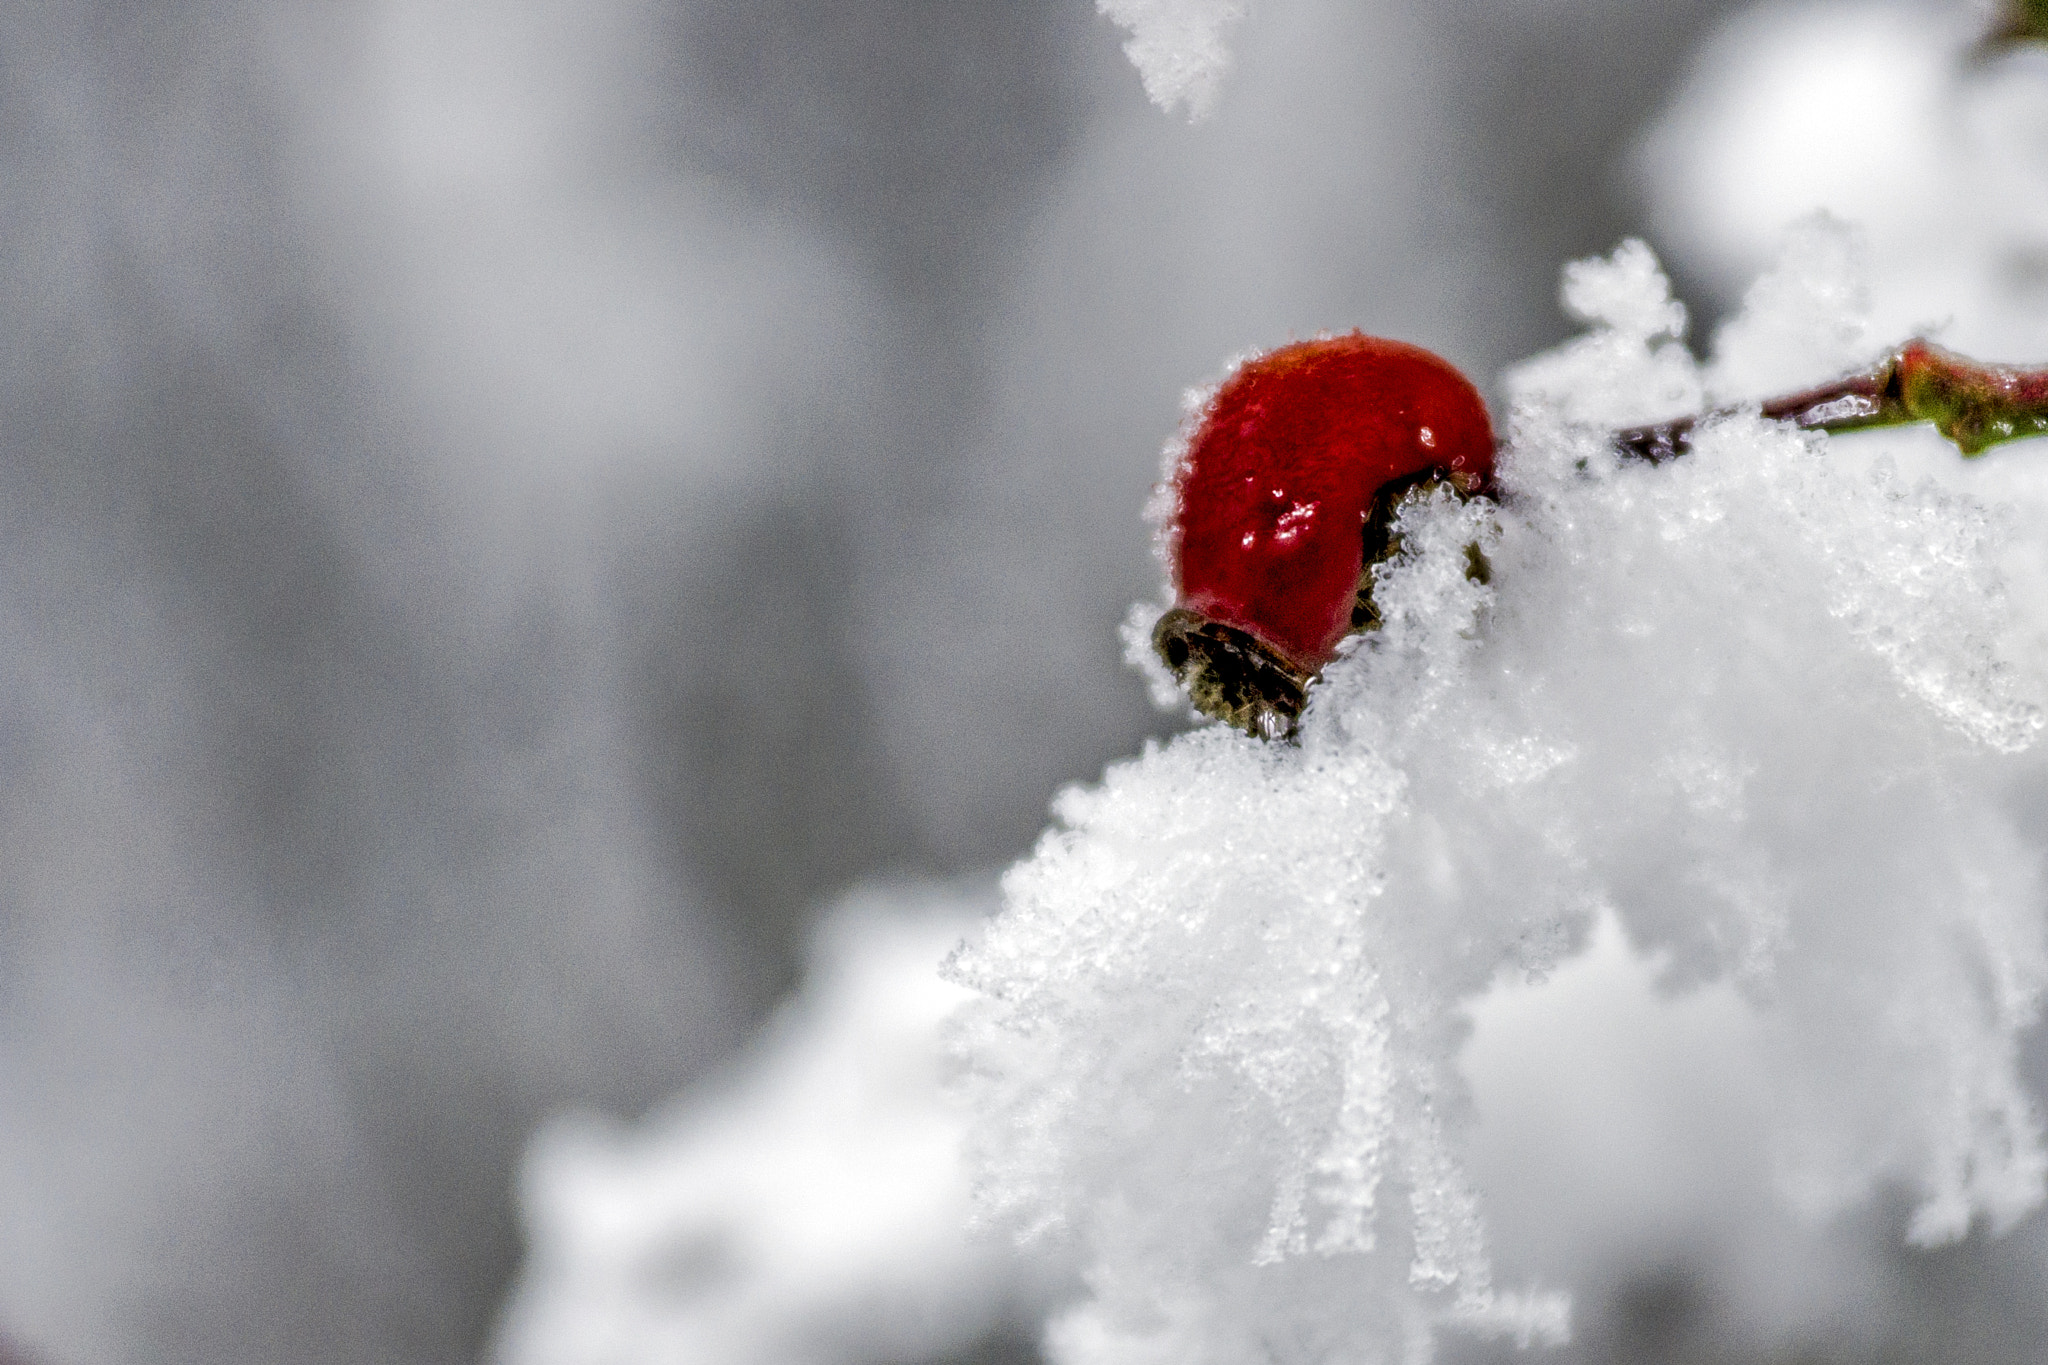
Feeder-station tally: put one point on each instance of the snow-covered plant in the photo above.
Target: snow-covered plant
(1740, 712)
(1763, 706)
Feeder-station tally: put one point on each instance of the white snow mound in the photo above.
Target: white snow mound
(811, 1208)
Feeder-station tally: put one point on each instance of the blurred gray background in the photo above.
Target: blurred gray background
(507, 507)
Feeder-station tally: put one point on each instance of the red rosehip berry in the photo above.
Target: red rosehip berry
(1284, 502)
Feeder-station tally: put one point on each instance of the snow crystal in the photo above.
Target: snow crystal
(1758, 707)
(1632, 367)
(1804, 322)
(1178, 47)
(812, 1208)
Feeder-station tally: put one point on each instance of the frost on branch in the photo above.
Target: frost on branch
(1755, 704)
(1178, 47)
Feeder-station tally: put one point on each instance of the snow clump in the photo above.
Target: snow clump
(1759, 707)
(1178, 47)
(812, 1208)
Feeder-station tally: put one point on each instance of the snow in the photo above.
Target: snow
(1669, 899)
(1873, 113)
(1631, 367)
(1178, 47)
(812, 1208)
(1763, 709)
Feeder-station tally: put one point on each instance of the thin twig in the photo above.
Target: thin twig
(1973, 404)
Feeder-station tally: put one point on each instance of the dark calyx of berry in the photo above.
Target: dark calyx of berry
(1286, 503)
(1232, 677)
(1229, 675)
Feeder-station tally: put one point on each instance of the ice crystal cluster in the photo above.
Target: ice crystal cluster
(1764, 707)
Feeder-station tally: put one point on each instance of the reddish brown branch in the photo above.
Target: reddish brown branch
(1973, 404)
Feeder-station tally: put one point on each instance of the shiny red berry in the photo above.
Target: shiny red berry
(1283, 503)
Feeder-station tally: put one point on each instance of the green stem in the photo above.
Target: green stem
(2019, 22)
(1973, 404)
